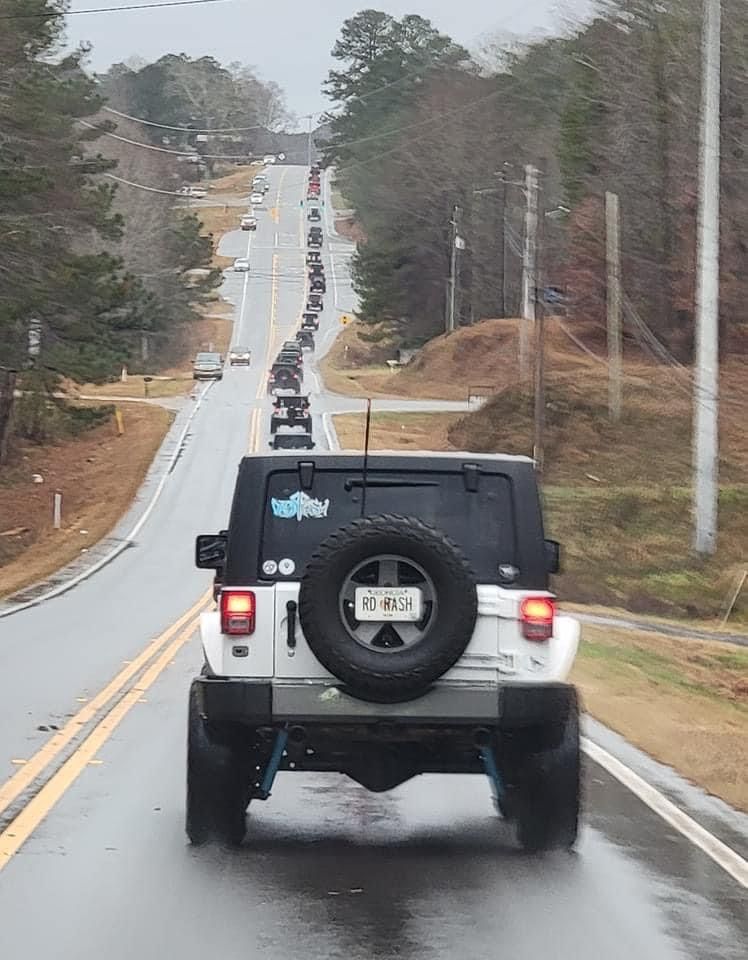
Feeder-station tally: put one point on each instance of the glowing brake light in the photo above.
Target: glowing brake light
(536, 617)
(237, 612)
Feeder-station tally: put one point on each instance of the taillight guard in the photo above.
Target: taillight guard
(238, 609)
(536, 618)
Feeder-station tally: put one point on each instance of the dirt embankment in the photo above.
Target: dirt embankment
(444, 369)
(97, 473)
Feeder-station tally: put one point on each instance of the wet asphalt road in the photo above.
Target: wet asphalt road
(328, 870)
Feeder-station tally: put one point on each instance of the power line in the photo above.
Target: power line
(401, 146)
(130, 6)
(471, 104)
(142, 186)
(174, 153)
(166, 126)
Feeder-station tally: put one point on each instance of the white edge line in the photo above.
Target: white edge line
(126, 541)
(725, 857)
(330, 434)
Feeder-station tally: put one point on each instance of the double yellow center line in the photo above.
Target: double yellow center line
(255, 422)
(125, 689)
(50, 765)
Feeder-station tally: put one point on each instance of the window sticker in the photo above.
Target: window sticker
(287, 567)
(298, 506)
(269, 568)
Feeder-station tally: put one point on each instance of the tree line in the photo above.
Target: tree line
(419, 127)
(89, 266)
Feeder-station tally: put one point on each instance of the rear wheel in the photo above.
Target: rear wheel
(545, 801)
(218, 784)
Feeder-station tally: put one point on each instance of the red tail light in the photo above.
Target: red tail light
(536, 617)
(237, 612)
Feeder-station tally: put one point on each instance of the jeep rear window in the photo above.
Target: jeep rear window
(481, 523)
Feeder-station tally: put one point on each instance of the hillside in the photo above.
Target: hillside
(617, 495)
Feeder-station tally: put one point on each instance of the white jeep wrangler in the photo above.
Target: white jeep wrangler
(383, 617)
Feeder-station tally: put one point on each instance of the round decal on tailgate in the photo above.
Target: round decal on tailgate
(287, 567)
(269, 567)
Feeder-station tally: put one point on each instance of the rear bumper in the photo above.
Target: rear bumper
(264, 703)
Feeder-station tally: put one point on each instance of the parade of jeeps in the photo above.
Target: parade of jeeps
(373, 480)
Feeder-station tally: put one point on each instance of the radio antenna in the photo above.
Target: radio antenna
(367, 434)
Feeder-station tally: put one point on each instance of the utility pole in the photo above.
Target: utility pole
(7, 397)
(706, 386)
(457, 244)
(538, 306)
(502, 243)
(615, 345)
(309, 142)
(529, 273)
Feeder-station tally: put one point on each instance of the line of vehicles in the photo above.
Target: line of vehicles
(291, 418)
(259, 188)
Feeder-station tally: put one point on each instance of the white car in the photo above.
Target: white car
(257, 199)
(248, 222)
(269, 158)
(241, 265)
(241, 356)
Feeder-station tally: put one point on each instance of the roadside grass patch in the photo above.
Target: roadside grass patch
(631, 548)
(684, 702)
(395, 431)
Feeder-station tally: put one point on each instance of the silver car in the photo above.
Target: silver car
(240, 355)
(207, 366)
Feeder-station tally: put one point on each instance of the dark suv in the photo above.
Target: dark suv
(284, 376)
(291, 412)
(383, 618)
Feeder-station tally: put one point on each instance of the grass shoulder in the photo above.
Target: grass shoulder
(682, 701)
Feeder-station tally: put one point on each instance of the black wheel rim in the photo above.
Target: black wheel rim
(388, 636)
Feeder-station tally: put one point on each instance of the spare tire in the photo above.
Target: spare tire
(384, 659)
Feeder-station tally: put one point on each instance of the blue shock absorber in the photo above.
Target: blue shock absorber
(492, 772)
(281, 739)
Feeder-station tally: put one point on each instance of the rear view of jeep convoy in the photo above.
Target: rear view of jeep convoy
(381, 618)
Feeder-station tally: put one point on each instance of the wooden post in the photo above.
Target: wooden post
(529, 274)
(615, 344)
(7, 397)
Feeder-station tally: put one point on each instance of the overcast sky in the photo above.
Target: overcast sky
(289, 41)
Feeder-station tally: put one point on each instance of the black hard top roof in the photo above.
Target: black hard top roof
(290, 367)
(295, 401)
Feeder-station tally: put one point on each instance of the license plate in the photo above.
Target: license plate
(388, 603)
